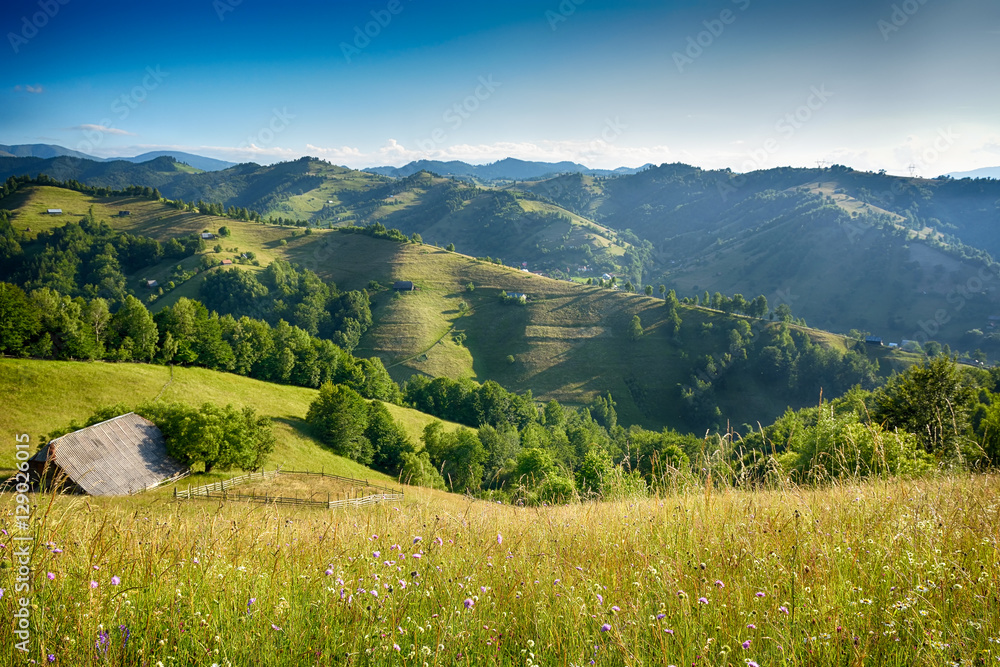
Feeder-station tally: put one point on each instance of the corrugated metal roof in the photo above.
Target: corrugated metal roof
(117, 457)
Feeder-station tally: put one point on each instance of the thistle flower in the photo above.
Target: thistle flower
(746, 644)
(93, 584)
(605, 627)
(702, 600)
(51, 576)
(115, 580)
(468, 603)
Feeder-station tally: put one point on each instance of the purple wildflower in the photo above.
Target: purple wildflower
(783, 609)
(600, 598)
(417, 556)
(417, 539)
(115, 581)
(499, 538)
(719, 584)
(746, 644)
(605, 627)
(660, 616)
(751, 663)
(93, 584)
(57, 551)
(275, 628)
(751, 626)
(615, 609)
(328, 572)
(51, 576)
(702, 600)
(51, 657)
(759, 594)
(468, 603)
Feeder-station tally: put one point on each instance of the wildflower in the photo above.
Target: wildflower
(93, 584)
(417, 556)
(702, 600)
(1, 593)
(51, 576)
(51, 657)
(57, 551)
(395, 647)
(660, 617)
(328, 572)
(615, 609)
(746, 644)
(759, 594)
(783, 609)
(719, 584)
(468, 603)
(751, 663)
(605, 627)
(751, 626)
(275, 628)
(438, 541)
(499, 538)
(600, 598)
(417, 539)
(668, 631)
(115, 581)
(681, 594)
(377, 554)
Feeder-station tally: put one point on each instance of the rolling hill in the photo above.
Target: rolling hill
(567, 341)
(42, 396)
(900, 258)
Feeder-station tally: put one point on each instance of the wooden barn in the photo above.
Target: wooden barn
(117, 457)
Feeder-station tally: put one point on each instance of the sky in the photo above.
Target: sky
(908, 86)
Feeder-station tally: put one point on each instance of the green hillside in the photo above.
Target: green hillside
(846, 250)
(41, 396)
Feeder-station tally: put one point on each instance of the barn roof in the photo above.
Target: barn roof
(119, 456)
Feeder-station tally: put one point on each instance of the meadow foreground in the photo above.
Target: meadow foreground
(884, 573)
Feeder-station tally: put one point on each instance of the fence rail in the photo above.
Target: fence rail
(220, 491)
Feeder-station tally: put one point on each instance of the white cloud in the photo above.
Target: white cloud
(103, 129)
(598, 153)
(37, 90)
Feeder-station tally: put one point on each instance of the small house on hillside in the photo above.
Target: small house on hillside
(54, 211)
(151, 284)
(207, 235)
(124, 214)
(874, 340)
(404, 286)
(227, 262)
(117, 457)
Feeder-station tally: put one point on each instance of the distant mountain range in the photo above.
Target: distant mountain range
(985, 172)
(508, 169)
(47, 151)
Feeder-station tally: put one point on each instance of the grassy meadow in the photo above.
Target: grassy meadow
(885, 573)
(42, 396)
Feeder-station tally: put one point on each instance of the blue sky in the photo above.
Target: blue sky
(744, 84)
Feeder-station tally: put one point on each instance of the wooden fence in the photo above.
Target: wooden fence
(220, 491)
